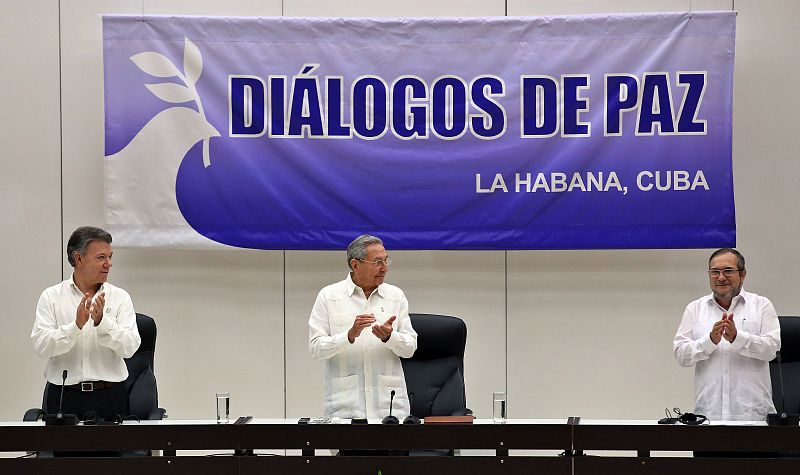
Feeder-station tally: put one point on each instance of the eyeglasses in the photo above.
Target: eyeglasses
(727, 272)
(378, 263)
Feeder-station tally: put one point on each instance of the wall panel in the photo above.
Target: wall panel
(30, 192)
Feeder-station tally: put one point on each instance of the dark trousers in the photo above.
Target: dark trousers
(96, 404)
(102, 404)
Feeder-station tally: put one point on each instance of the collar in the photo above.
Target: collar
(351, 286)
(75, 288)
(742, 299)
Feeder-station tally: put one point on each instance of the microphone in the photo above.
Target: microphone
(782, 418)
(411, 418)
(390, 419)
(59, 418)
(59, 414)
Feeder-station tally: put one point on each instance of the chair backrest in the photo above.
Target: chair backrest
(435, 374)
(141, 382)
(790, 362)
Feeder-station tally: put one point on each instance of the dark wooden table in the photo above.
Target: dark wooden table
(308, 445)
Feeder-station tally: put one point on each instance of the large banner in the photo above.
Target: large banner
(578, 132)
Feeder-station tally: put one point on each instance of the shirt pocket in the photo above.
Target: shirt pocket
(343, 398)
(386, 384)
(341, 322)
(110, 312)
(751, 325)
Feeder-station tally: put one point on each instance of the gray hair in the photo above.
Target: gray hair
(358, 248)
(728, 250)
(80, 239)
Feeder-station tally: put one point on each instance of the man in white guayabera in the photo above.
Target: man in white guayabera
(729, 336)
(360, 327)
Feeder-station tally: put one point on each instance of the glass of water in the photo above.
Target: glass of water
(223, 408)
(499, 404)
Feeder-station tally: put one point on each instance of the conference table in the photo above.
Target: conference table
(550, 446)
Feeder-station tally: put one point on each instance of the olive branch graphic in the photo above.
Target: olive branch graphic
(157, 65)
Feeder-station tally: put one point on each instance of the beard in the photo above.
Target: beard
(727, 295)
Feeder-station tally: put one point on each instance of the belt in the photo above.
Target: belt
(90, 386)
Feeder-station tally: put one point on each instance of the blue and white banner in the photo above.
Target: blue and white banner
(579, 132)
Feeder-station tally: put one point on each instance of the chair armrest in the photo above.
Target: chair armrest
(33, 415)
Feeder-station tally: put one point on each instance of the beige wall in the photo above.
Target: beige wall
(30, 190)
(583, 333)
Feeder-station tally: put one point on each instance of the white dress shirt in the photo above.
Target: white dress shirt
(93, 353)
(732, 380)
(360, 376)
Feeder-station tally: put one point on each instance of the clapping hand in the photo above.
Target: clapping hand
(384, 331)
(360, 323)
(724, 328)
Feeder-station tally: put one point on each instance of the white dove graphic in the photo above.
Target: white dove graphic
(141, 177)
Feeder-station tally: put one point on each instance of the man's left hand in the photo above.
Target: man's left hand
(96, 310)
(384, 331)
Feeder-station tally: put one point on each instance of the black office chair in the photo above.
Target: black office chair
(788, 399)
(790, 361)
(141, 382)
(435, 374)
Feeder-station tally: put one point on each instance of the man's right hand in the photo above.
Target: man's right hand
(82, 314)
(360, 323)
(718, 329)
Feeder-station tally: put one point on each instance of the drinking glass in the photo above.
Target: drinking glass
(223, 408)
(499, 405)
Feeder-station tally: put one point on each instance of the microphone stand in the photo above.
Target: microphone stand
(411, 418)
(390, 419)
(59, 418)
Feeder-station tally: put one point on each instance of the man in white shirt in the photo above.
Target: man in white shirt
(85, 326)
(360, 327)
(729, 336)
